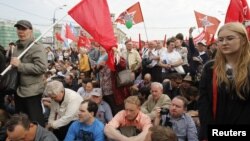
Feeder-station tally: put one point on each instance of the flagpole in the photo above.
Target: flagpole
(37, 39)
(145, 30)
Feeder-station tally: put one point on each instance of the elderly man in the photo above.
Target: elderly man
(132, 57)
(87, 128)
(104, 113)
(156, 99)
(19, 128)
(64, 108)
(131, 122)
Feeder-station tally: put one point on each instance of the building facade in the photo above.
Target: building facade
(8, 33)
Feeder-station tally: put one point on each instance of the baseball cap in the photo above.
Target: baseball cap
(202, 43)
(96, 92)
(24, 23)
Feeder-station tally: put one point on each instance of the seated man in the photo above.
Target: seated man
(104, 113)
(172, 87)
(156, 99)
(19, 127)
(130, 121)
(161, 133)
(182, 124)
(87, 128)
(63, 108)
(142, 84)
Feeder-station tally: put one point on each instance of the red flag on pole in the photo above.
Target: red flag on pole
(200, 37)
(94, 17)
(165, 41)
(58, 37)
(69, 34)
(238, 11)
(83, 41)
(209, 23)
(140, 46)
(133, 14)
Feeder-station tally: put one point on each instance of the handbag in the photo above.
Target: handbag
(124, 78)
(9, 81)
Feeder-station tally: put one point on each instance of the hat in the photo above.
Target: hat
(96, 92)
(202, 43)
(24, 23)
(187, 78)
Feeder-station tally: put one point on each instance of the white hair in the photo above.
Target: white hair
(157, 84)
(53, 88)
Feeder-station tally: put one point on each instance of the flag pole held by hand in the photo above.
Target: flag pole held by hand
(37, 39)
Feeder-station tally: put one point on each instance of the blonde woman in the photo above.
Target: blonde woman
(224, 86)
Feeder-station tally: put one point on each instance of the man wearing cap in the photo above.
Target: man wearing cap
(104, 113)
(198, 56)
(31, 68)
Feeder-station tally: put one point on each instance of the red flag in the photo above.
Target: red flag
(165, 41)
(209, 38)
(94, 17)
(200, 37)
(238, 11)
(69, 34)
(209, 23)
(133, 14)
(83, 41)
(58, 37)
(204, 36)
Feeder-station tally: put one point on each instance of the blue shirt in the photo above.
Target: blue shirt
(104, 113)
(79, 131)
(184, 127)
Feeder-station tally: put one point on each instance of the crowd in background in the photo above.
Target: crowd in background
(80, 98)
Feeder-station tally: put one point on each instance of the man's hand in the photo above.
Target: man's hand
(157, 111)
(15, 61)
(191, 31)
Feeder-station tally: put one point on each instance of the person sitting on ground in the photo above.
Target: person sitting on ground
(141, 85)
(161, 133)
(129, 124)
(87, 127)
(104, 113)
(63, 108)
(156, 99)
(20, 128)
(177, 118)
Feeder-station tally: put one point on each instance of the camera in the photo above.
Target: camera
(164, 111)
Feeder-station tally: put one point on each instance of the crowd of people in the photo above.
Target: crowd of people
(72, 94)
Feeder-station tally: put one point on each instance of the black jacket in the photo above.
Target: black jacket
(230, 108)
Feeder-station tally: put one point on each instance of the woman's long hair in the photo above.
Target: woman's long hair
(241, 70)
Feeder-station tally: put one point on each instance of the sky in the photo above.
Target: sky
(160, 16)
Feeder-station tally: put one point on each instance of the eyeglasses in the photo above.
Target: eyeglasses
(227, 39)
